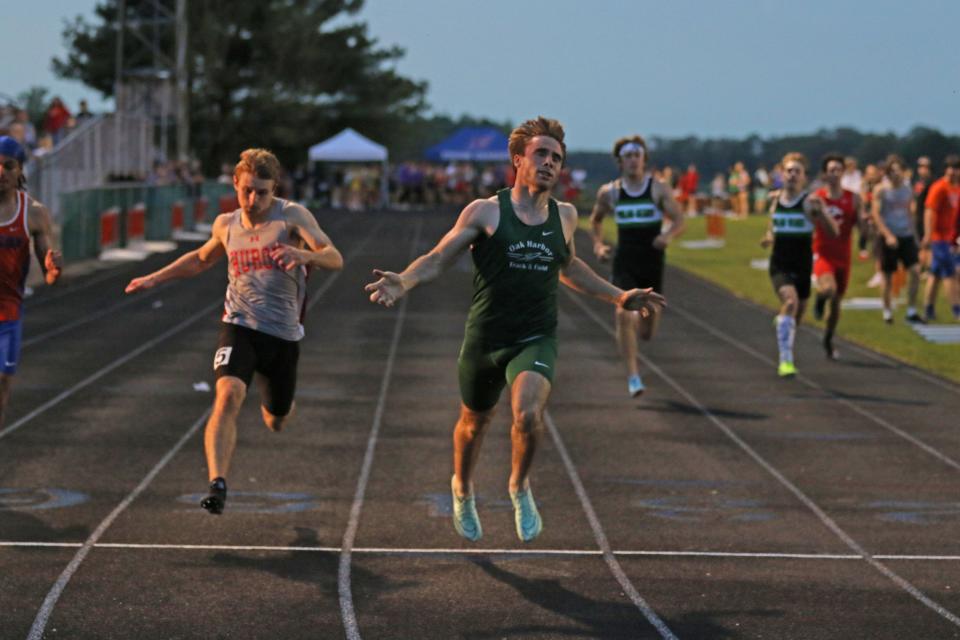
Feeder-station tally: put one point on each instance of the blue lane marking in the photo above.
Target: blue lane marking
(440, 505)
(657, 482)
(703, 508)
(261, 501)
(12, 499)
(827, 437)
(916, 512)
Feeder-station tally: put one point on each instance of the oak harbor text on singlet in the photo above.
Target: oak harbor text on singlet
(516, 271)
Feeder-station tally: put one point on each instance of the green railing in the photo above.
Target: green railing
(82, 236)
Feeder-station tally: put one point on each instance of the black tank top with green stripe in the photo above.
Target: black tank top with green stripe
(515, 277)
(639, 219)
(792, 233)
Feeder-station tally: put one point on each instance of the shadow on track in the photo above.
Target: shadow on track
(316, 568)
(602, 619)
(21, 526)
(674, 406)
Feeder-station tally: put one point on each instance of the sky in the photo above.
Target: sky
(606, 68)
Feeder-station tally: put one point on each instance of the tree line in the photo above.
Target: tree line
(286, 74)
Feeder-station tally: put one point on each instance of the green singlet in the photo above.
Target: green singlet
(512, 323)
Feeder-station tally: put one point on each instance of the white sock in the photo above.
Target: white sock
(786, 330)
(911, 311)
(887, 314)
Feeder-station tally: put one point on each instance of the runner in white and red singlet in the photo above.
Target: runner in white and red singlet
(270, 244)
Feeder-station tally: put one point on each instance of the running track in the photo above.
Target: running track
(726, 503)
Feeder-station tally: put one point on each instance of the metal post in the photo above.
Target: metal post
(183, 117)
(118, 77)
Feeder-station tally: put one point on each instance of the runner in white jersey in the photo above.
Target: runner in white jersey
(270, 244)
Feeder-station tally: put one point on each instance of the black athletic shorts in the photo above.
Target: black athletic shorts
(636, 270)
(241, 352)
(905, 252)
(796, 274)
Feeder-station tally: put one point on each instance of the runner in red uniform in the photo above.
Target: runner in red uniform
(831, 255)
(21, 217)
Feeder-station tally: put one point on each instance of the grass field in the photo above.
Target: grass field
(729, 267)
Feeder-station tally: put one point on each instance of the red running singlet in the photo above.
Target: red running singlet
(836, 250)
(14, 260)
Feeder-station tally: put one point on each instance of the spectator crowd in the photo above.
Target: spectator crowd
(40, 136)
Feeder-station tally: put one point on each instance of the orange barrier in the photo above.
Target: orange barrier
(110, 228)
(229, 203)
(716, 225)
(137, 223)
(200, 209)
(176, 216)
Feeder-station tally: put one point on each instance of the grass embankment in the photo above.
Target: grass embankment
(729, 267)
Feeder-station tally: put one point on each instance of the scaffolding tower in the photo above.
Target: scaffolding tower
(151, 67)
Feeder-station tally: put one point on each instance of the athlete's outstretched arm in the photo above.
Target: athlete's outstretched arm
(767, 240)
(51, 260)
(669, 206)
(187, 265)
(581, 278)
(577, 275)
(320, 253)
(601, 208)
(479, 217)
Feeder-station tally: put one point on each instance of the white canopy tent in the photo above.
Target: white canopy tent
(350, 146)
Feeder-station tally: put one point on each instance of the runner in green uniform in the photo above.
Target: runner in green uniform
(522, 244)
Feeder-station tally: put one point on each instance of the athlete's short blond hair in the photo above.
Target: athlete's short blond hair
(260, 163)
(796, 156)
(530, 129)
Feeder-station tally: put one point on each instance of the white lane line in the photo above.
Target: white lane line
(63, 328)
(43, 615)
(35, 302)
(814, 385)
(601, 537)
(29, 544)
(344, 588)
(743, 554)
(354, 252)
(205, 312)
(915, 557)
(626, 553)
(792, 488)
(873, 355)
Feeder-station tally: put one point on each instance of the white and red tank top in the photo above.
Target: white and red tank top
(14, 259)
(260, 294)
